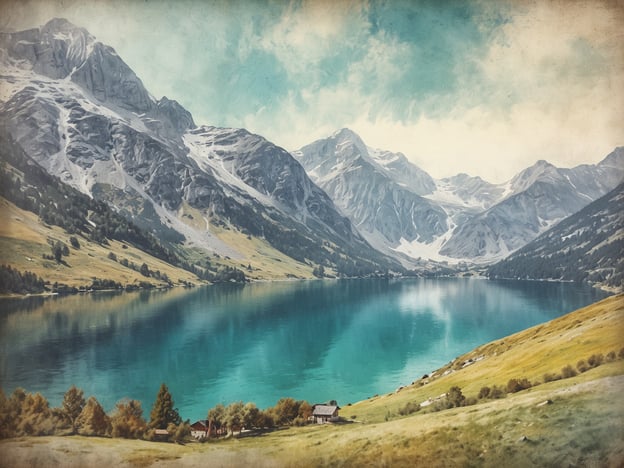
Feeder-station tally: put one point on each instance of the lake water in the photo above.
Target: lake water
(315, 340)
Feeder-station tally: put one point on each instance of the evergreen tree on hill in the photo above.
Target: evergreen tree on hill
(73, 403)
(163, 412)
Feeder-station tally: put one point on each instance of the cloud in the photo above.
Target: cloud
(547, 83)
(482, 87)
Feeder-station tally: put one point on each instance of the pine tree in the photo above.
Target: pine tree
(73, 403)
(93, 420)
(163, 412)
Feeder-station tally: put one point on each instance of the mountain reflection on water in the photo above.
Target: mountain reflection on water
(314, 340)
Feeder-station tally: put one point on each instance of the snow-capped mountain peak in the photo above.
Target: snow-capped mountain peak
(78, 110)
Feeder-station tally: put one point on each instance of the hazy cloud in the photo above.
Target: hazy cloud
(480, 87)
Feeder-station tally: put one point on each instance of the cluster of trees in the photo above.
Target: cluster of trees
(224, 274)
(59, 250)
(143, 268)
(226, 420)
(14, 281)
(25, 413)
(319, 271)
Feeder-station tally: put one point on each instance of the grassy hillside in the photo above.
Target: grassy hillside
(24, 240)
(530, 354)
(575, 421)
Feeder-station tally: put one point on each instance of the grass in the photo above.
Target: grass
(580, 426)
(542, 349)
(24, 240)
(267, 262)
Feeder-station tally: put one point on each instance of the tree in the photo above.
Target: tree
(286, 410)
(144, 270)
(251, 416)
(216, 418)
(163, 412)
(127, 420)
(34, 414)
(57, 252)
(305, 410)
(73, 404)
(93, 420)
(73, 240)
(234, 416)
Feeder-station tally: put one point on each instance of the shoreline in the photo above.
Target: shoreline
(47, 294)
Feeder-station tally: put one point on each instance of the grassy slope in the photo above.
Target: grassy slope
(531, 353)
(267, 262)
(23, 241)
(582, 426)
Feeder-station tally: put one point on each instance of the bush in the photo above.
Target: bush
(455, 397)
(469, 401)
(621, 353)
(582, 366)
(568, 372)
(516, 385)
(595, 360)
(409, 408)
(551, 377)
(493, 393)
(611, 356)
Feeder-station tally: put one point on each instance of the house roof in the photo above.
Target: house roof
(201, 424)
(324, 410)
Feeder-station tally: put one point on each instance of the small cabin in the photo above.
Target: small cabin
(199, 429)
(322, 414)
(161, 435)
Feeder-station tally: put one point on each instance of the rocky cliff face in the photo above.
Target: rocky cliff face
(77, 109)
(372, 188)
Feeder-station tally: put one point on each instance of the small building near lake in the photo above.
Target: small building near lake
(325, 413)
(199, 429)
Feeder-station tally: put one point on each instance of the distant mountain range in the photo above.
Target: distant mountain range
(77, 109)
(400, 209)
(587, 246)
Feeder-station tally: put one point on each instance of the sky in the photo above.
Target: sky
(482, 87)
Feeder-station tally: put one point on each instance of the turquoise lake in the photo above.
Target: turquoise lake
(313, 340)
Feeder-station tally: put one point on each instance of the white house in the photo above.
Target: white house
(325, 413)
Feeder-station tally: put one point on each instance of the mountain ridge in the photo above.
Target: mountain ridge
(87, 118)
(586, 246)
(475, 222)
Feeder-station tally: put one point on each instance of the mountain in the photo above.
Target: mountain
(534, 200)
(586, 246)
(379, 191)
(46, 217)
(75, 107)
(400, 209)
